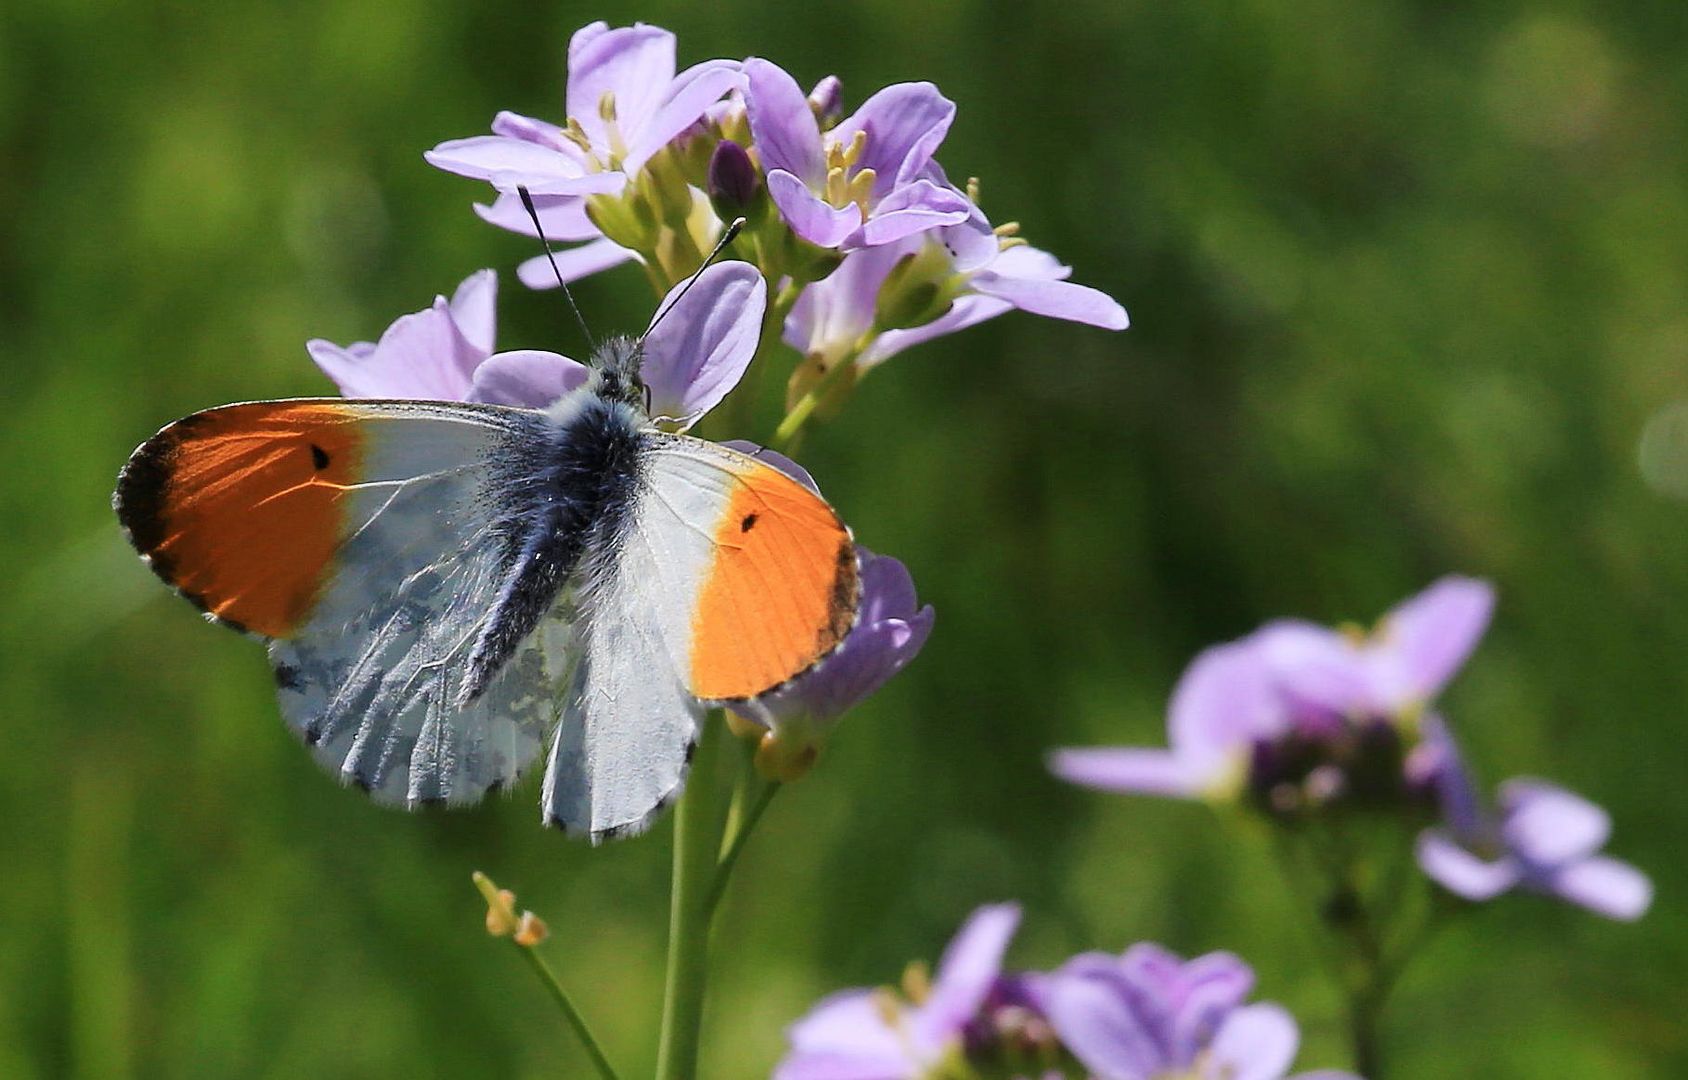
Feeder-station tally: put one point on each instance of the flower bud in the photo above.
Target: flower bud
(531, 930)
(827, 101)
(734, 185)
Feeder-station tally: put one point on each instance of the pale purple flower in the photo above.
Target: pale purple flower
(835, 318)
(564, 220)
(1299, 703)
(874, 1035)
(1544, 839)
(624, 102)
(693, 355)
(865, 181)
(445, 353)
(1148, 1015)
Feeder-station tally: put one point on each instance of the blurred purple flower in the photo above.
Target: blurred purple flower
(693, 357)
(863, 182)
(624, 103)
(1148, 1014)
(873, 1035)
(1545, 839)
(1273, 705)
(444, 353)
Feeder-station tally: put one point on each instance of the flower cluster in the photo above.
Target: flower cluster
(1145, 1015)
(1299, 720)
(866, 244)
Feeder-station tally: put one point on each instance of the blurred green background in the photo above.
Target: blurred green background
(1407, 282)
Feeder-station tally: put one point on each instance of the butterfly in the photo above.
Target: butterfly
(450, 590)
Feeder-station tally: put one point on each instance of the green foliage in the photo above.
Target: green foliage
(1407, 285)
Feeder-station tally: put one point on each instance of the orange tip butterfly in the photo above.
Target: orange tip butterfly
(449, 590)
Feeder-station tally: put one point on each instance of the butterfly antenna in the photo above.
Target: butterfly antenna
(533, 213)
(728, 235)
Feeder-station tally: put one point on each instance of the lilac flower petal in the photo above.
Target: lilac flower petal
(514, 125)
(1316, 667)
(696, 89)
(1547, 825)
(1257, 1042)
(1142, 772)
(782, 125)
(845, 1037)
(973, 245)
(563, 216)
(526, 378)
(1095, 1021)
(1223, 703)
(585, 36)
(421, 355)
(1605, 886)
(1462, 873)
(778, 461)
(697, 352)
(633, 63)
(915, 208)
(887, 588)
(573, 263)
(826, 100)
(1424, 640)
(349, 370)
(1210, 988)
(869, 657)
(1055, 299)
(509, 163)
(969, 966)
(808, 215)
(472, 309)
(905, 124)
(1456, 793)
(831, 315)
(966, 311)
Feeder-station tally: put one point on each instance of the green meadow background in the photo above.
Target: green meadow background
(1407, 283)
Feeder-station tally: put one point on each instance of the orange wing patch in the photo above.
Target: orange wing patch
(781, 593)
(241, 508)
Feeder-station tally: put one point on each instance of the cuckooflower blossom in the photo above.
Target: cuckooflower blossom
(876, 1035)
(1544, 839)
(1148, 1015)
(1298, 711)
(863, 182)
(885, 299)
(693, 355)
(624, 102)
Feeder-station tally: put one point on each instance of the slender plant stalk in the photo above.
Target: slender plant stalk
(792, 426)
(741, 835)
(699, 820)
(571, 1014)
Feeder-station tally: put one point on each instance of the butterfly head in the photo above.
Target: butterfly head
(615, 367)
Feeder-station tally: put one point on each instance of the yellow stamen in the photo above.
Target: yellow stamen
(837, 186)
(576, 134)
(1007, 228)
(1010, 241)
(606, 107)
(858, 144)
(973, 190)
(531, 930)
(859, 188)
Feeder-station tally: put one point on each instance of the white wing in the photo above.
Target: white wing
(370, 680)
(621, 751)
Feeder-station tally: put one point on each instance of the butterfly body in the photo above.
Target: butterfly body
(449, 591)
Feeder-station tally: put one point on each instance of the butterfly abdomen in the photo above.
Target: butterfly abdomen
(570, 494)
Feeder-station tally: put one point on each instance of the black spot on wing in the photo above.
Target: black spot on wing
(748, 522)
(319, 456)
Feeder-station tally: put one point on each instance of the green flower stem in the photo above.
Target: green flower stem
(757, 805)
(792, 426)
(549, 978)
(699, 821)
